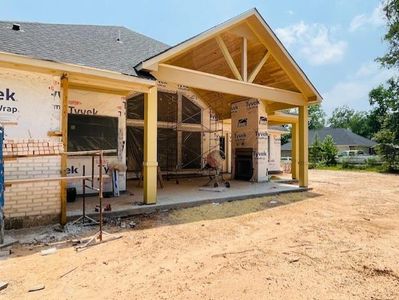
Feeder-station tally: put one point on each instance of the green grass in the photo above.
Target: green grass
(360, 168)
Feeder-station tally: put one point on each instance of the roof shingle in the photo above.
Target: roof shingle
(341, 136)
(86, 45)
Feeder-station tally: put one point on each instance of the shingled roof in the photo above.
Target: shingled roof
(113, 48)
(341, 136)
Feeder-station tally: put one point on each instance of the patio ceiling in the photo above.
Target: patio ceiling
(237, 60)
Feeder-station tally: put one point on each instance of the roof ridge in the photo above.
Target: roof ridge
(63, 24)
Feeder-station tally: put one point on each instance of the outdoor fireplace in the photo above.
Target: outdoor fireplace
(244, 167)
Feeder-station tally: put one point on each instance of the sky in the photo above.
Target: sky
(334, 41)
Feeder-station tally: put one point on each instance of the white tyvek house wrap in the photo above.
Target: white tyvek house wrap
(32, 101)
(275, 152)
(249, 130)
(101, 104)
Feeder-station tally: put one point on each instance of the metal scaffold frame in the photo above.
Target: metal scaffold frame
(215, 126)
(101, 176)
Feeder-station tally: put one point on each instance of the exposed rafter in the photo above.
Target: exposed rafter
(228, 57)
(259, 66)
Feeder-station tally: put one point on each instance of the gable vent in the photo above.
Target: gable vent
(16, 27)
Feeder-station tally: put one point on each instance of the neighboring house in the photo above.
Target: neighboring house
(85, 87)
(344, 139)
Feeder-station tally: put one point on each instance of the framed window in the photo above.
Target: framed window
(191, 150)
(167, 107)
(134, 148)
(135, 107)
(88, 132)
(191, 113)
(167, 149)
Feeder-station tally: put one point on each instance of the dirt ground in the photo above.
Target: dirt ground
(339, 241)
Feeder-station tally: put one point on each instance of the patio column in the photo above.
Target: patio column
(303, 146)
(150, 163)
(294, 150)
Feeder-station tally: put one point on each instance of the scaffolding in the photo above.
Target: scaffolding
(176, 165)
(91, 178)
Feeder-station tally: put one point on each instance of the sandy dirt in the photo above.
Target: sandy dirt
(339, 241)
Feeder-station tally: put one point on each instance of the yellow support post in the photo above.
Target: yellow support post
(64, 130)
(150, 164)
(294, 151)
(303, 146)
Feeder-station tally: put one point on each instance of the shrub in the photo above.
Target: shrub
(329, 151)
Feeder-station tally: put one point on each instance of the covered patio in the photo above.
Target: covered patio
(237, 61)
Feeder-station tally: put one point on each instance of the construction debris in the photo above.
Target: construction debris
(3, 285)
(48, 251)
(8, 241)
(36, 288)
(5, 253)
(70, 271)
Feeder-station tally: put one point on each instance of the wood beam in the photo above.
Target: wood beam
(294, 151)
(257, 69)
(150, 164)
(91, 81)
(303, 146)
(272, 107)
(228, 58)
(216, 83)
(21, 62)
(283, 118)
(244, 59)
(64, 161)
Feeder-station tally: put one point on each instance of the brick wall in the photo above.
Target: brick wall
(30, 203)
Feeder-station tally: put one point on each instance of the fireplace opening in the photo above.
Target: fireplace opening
(243, 164)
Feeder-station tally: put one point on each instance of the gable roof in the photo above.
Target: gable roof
(341, 136)
(277, 49)
(85, 45)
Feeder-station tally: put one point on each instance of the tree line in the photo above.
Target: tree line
(381, 122)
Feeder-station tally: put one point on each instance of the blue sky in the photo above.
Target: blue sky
(334, 41)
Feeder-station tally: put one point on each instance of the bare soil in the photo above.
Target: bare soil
(339, 241)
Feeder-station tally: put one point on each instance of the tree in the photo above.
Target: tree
(385, 102)
(329, 151)
(317, 117)
(358, 122)
(385, 98)
(391, 58)
(341, 117)
(316, 152)
(285, 138)
(323, 152)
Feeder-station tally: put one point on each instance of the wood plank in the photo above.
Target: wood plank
(255, 72)
(228, 58)
(244, 59)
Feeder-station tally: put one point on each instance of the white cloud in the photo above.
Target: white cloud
(355, 89)
(314, 42)
(375, 19)
(290, 12)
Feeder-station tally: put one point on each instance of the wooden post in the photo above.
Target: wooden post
(64, 130)
(244, 59)
(294, 151)
(303, 146)
(150, 163)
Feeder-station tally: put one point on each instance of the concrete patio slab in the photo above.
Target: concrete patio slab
(187, 193)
